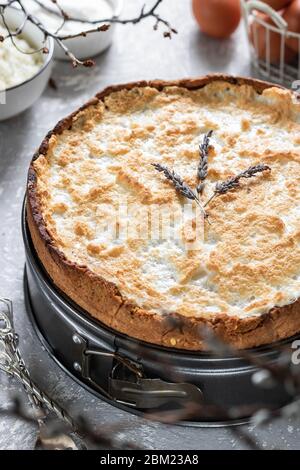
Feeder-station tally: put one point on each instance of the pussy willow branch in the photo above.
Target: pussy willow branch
(268, 375)
(104, 437)
(100, 25)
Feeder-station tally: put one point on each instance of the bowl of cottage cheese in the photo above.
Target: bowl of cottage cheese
(24, 67)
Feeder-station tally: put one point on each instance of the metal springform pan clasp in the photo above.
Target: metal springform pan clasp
(127, 383)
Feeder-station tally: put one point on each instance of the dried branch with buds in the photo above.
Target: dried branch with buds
(97, 25)
(54, 434)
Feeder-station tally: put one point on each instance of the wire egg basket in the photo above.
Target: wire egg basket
(263, 40)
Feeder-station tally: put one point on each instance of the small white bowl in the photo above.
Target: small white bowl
(94, 43)
(17, 98)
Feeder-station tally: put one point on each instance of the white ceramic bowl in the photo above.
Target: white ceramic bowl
(94, 43)
(17, 98)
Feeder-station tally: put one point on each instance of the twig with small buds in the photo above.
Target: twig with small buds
(58, 435)
(97, 25)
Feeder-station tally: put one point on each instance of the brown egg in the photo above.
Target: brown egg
(217, 18)
(292, 17)
(275, 42)
(277, 4)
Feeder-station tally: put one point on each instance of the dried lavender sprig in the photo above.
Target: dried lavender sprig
(232, 183)
(178, 183)
(203, 163)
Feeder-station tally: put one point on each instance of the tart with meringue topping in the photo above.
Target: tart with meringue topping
(119, 239)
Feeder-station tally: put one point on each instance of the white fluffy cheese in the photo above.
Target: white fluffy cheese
(15, 66)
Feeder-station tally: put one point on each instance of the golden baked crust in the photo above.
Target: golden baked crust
(242, 279)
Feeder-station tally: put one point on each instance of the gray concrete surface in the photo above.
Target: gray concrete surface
(137, 53)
